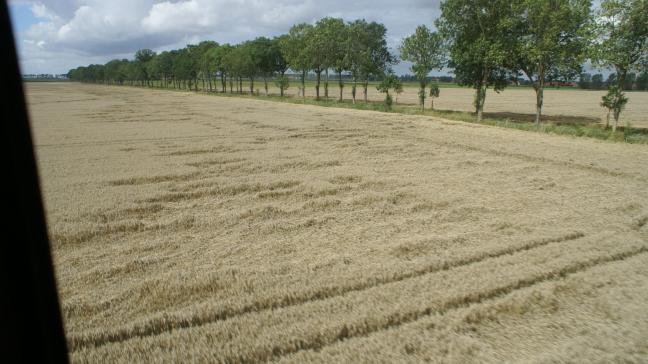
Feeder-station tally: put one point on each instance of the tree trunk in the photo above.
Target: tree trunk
(480, 96)
(265, 84)
(431, 102)
(365, 85)
(303, 82)
(539, 99)
(621, 76)
(607, 119)
(251, 85)
(223, 82)
(326, 84)
(422, 95)
(353, 90)
(539, 89)
(317, 85)
(341, 84)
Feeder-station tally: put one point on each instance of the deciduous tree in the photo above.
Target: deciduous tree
(480, 34)
(551, 41)
(367, 53)
(425, 50)
(622, 41)
(389, 82)
(295, 51)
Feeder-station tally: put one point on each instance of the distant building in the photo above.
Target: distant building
(562, 83)
(44, 76)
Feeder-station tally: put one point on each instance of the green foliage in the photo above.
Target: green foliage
(266, 54)
(183, 66)
(426, 51)
(217, 56)
(480, 34)
(642, 81)
(282, 82)
(552, 37)
(623, 35)
(551, 40)
(629, 81)
(388, 102)
(623, 42)
(205, 62)
(585, 81)
(367, 51)
(331, 34)
(116, 70)
(612, 79)
(316, 46)
(434, 90)
(144, 55)
(398, 86)
(293, 47)
(389, 82)
(489, 43)
(615, 101)
(597, 81)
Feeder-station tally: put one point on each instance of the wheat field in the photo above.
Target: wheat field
(194, 228)
(516, 102)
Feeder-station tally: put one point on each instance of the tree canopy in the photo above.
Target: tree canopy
(484, 43)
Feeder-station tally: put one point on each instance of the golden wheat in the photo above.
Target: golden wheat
(232, 230)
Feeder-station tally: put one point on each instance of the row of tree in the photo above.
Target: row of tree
(490, 40)
(588, 81)
(486, 44)
(356, 50)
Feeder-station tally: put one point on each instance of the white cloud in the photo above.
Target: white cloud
(173, 17)
(41, 11)
(79, 32)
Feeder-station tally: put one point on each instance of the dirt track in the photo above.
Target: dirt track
(190, 227)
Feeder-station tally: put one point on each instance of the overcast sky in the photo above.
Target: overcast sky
(56, 35)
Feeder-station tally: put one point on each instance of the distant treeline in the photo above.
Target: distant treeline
(352, 50)
(588, 81)
(485, 44)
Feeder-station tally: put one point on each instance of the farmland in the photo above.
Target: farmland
(514, 102)
(188, 227)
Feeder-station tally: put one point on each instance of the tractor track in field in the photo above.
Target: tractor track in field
(156, 327)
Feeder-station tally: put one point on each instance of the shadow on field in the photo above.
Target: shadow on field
(554, 119)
